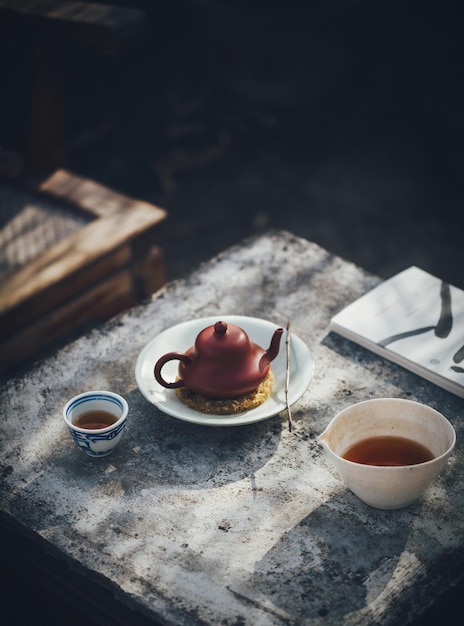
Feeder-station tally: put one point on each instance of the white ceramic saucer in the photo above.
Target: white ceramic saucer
(180, 337)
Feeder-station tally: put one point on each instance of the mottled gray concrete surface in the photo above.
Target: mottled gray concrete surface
(249, 525)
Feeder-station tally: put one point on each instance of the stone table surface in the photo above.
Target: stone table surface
(248, 525)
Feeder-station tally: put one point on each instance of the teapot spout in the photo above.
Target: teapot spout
(275, 344)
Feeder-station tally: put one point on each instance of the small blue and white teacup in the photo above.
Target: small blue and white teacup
(96, 421)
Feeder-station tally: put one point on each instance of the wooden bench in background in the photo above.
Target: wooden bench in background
(112, 259)
(112, 262)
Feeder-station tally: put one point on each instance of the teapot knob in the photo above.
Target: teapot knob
(220, 328)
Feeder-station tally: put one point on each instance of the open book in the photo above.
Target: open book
(415, 320)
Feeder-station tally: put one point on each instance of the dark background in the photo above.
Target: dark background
(341, 122)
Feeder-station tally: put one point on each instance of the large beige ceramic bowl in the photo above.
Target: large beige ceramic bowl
(387, 487)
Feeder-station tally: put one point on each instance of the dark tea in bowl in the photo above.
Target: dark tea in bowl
(389, 450)
(95, 420)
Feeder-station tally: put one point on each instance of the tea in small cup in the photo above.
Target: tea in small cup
(96, 421)
(389, 450)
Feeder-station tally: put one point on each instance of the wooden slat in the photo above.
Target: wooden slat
(91, 307)
(94, 198)
(149, 274)
(69, 256)
(107, 266)
(45, 141)
(56, 293)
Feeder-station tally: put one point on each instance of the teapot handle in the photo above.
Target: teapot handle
(170, 356)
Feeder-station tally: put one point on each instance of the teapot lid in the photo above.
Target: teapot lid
(222, 339)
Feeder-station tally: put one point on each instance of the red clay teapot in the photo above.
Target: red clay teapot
(223, 362)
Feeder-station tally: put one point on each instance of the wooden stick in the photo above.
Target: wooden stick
(287, 379)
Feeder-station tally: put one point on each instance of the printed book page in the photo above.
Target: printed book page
(414, 319)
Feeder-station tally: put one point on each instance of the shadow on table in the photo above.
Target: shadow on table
(332, 565)
(158, 450)
(343, 566)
